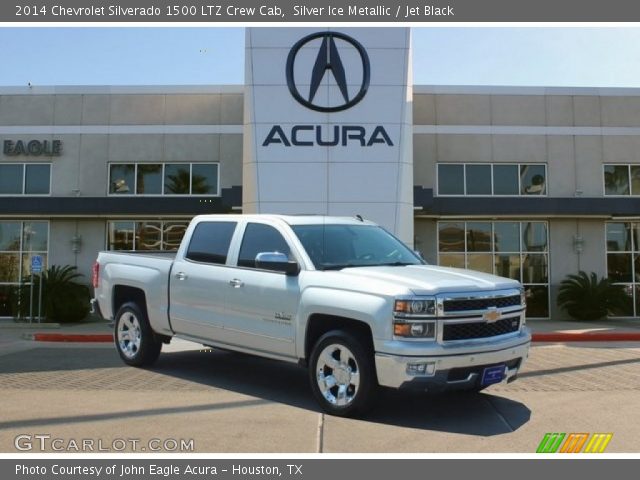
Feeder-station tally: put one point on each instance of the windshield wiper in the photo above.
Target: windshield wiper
(340, 266)
(390, 264)
(353, 265)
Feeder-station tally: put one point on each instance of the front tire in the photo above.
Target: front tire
(135, 341)
(342, 374)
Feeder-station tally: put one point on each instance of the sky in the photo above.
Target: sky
(537, 56)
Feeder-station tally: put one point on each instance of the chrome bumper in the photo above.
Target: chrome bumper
(392, 369)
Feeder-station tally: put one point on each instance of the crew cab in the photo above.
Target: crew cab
(341, 296)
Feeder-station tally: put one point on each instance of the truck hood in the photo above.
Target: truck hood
(430, 280)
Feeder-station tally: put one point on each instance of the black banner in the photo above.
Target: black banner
(317, 469)
(332, 11)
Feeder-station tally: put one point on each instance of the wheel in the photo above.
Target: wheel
(135, 341)
(342, 374)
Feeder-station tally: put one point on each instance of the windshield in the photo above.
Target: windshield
(333, 247)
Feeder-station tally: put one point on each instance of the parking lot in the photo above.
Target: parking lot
(229, 402)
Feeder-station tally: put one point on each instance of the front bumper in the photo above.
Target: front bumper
(452, 371)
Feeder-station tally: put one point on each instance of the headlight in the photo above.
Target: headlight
(415, 307)
(422, 330)
(523, 297)
(414, 318)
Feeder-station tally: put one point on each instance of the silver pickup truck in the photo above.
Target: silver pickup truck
(341, 296)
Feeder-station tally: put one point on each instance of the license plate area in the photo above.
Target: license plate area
(491, 375)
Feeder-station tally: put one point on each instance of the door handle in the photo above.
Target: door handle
(181, 276)
(235, 283)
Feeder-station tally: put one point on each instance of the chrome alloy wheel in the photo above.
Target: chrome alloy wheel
(338, 374)
(129, 335)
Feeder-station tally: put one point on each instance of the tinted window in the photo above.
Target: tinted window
(149, 179)
(532, 179)
(11, 178)
(260, 238)
(210, 242)
(505, 180)
(122, 179)
(451, 179)
(478, 179)
(38, 178)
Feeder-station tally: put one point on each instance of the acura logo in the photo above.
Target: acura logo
(327, 62)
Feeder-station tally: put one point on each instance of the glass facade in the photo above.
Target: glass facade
(25, 179)
(164, 179)
(145, 235)
(19, 242)
(621, 180)
(513, 249)
(492, 179)
(623, 260)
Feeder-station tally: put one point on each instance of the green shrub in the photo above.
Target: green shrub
(64, 299)
(585, 297)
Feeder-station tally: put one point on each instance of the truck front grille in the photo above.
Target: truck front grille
(482, 329)
(463, 305)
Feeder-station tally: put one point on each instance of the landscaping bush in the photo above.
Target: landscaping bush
(64, 299)
(585, 297)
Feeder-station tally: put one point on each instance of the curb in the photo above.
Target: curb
(536, 337)
(586, 337)
(72, 337)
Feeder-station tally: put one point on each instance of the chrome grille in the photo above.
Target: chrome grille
(466, 331)
(464, 304)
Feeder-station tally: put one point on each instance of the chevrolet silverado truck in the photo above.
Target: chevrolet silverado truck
(340, 296)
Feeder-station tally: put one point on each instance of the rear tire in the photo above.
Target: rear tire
(342, 374)
(135, 341)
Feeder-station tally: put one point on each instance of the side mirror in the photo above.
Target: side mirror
(278, 262)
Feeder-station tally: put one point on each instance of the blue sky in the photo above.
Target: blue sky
(560, 56)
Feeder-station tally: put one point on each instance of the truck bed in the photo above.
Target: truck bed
(145, 253)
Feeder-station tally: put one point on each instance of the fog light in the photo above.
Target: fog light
(417, 369)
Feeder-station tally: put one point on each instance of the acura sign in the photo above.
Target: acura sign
(328, 61)
(328, 124)
(328, 64)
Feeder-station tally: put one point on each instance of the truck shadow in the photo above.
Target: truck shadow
(268, 381)
(466, 413)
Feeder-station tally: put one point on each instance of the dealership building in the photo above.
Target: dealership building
(532, 183)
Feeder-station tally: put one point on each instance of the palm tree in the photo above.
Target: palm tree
(585, 297)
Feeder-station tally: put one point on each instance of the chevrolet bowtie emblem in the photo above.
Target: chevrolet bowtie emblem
(328, 63)
(492, 316)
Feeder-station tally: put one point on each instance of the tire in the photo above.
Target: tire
(342, 374)
(135, 341)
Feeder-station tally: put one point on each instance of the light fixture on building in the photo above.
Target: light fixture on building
(76, 243)
(578, 243)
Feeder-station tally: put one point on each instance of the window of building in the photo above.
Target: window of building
(25, 179)
(145, 235)
(517, 250)
(164, 179)
(19, 242)
(621, 179)
(260, 238)
(492, 179)
(623, 260)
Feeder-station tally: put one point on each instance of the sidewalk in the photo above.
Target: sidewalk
(543, 331)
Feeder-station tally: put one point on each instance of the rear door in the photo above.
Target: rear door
(262, 305)
(199, 281)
